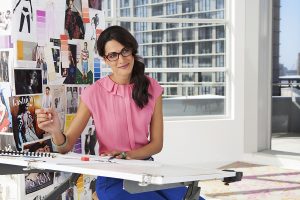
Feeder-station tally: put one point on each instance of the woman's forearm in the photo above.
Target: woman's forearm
(145, 151)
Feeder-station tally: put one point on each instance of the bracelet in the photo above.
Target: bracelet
(63, 144)
(123, 155)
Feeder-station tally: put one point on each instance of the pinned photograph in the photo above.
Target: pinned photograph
(4, 70)
(38, 181)
(24, 19)
(25, 127)
(44, 145)
(89, 141)
(5, 114)
(72, 99)
(84, 71)
(95, 4)
(74, 26)
(5, 17)
(27, 54)
(54, 96)
(72, 64)
(41, 62)
(28, 81)
(95, 27)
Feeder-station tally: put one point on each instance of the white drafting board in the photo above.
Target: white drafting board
(134, 170)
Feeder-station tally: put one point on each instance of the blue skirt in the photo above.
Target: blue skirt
(112, 189)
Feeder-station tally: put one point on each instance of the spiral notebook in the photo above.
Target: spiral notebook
(26, 154)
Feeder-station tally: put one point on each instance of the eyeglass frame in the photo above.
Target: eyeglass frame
(120, 53)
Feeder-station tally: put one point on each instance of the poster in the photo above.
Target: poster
(25, 127)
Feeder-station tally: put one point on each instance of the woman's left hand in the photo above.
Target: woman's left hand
(117, 154)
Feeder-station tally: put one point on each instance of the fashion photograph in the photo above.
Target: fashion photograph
(28, 81)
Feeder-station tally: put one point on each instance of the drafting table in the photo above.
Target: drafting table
(139, 176)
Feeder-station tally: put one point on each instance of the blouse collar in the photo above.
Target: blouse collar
(115, 88)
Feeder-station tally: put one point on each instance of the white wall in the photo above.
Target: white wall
(197, 141)
(258, 75)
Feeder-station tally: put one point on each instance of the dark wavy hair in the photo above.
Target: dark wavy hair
(140, 82)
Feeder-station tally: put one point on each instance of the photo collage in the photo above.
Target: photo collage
(48, 56)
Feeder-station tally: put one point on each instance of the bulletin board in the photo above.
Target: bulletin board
(48, 56)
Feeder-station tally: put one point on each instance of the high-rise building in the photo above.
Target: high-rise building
(298, 64)
(186, 58)
(276, 91)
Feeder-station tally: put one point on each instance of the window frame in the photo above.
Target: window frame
(114, 18)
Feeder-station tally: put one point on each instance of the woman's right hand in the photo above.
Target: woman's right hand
(48, 120)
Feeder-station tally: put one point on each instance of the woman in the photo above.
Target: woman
(125, 106)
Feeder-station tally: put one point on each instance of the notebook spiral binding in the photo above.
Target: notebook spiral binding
(26, 154)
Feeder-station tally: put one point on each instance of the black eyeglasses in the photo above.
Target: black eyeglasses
(113, 56)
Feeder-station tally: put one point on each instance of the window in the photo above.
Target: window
(220, 32)
(205, 61)
(172, 49)
(140, 26)
(172, 35)
(157, 50)
(173, 62)
(157, 10)
(188, 6)
(220, 47)
(205, 33)
(188, 48)
(205, 47)
(140, 2)
(172, 77)
(157, 37)
(124, 3)
(185, 50)
(157, 26)
(188, 62)
(220, 61)
(171, 8)
(204, 5)
(188, 34)
(140, 11)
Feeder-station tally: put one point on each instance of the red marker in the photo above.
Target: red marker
(85, 158)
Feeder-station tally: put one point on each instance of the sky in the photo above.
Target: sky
(289, 33)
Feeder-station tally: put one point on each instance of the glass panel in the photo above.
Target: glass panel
(157, 36)
(171, 8)
(173, 62)
(180, 51)
(188, 62)
(220, 47)
(157, 50)
(172, 49)
(220, 32)
(286, 77)
(188, 34)
(157, 10)
(205, 33)
(205, 47)
(188, 48)
(172, 35)
(204, 98)
(157, 62)
(140, 11)
(140, 2)
(205, 61)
